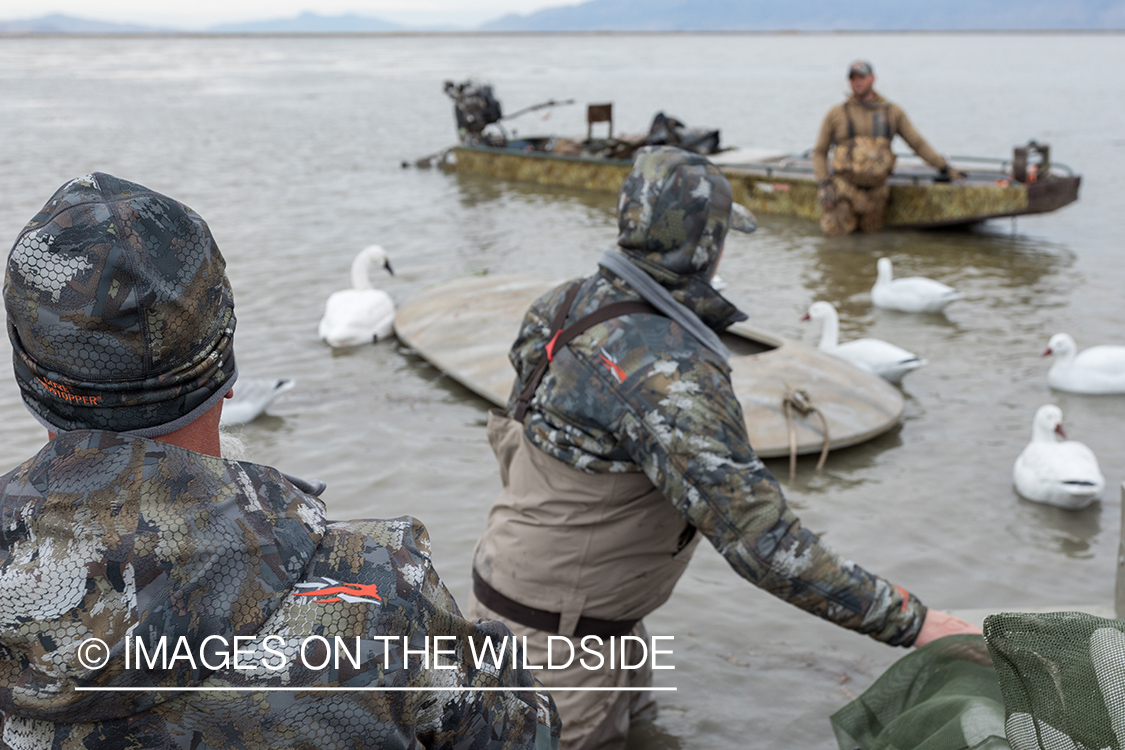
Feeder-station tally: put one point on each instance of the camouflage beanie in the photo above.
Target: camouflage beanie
(119, 311)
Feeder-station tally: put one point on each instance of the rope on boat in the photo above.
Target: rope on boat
(799, 400)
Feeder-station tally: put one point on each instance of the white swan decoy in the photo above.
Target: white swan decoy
(1099, 369)
(250, 398)
(912, 294)
(1065, 474)
(874, 355)
(361, 314)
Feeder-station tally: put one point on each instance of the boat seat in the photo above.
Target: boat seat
(599, 113)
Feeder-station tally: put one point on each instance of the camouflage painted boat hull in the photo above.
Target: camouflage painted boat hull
(466, 326)
(787, 186)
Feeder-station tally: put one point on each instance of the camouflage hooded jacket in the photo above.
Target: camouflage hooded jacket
(639, 393)
(109, 536)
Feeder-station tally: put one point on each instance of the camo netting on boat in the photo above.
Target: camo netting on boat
(943, 696)
(1063, 679)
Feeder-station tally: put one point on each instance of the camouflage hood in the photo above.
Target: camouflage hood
(107, 535)
(673, 215)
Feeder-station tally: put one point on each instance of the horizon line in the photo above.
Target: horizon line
(523, 32)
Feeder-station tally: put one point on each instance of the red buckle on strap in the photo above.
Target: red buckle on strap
(551, 346)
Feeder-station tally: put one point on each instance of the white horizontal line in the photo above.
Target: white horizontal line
(366, 689)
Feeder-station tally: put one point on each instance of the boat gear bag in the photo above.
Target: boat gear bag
(669, 131)
(570, 552)
(866, 160)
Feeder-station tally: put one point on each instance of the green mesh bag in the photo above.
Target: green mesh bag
(1063, 679)
(943, 696)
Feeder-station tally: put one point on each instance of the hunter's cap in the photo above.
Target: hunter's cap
(120, 313)
(861, 69)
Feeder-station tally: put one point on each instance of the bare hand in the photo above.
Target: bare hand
(940, 624)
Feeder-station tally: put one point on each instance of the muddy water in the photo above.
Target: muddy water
(290, 149)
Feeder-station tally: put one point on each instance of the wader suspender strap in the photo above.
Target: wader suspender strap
(874, 125)
(563, 336)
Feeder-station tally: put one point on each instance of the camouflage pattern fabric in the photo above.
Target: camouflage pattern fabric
(855, 208)
(113, 536)
(878, 117)
(638, 394)
(119, 311)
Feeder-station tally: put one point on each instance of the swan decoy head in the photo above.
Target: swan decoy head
(372, 255)
(377, 256)
(1048, 423)
(819, 311)
(1061, 344)
(884, 268)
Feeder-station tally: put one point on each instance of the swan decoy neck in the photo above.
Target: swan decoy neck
(885, 272)
(830, 335)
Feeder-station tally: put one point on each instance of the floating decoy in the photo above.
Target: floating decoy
(250, 398)
(886, 360)
(1099, 369)
(362, 314)
(1064, 473)
(912, 294)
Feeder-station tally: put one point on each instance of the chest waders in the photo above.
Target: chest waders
(866, 161)
(562, 541)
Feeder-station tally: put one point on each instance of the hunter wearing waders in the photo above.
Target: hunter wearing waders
(624, 445)
(862, 128)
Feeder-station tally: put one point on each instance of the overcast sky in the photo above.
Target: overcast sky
(204, 13)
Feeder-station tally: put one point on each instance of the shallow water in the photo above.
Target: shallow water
(290, 148)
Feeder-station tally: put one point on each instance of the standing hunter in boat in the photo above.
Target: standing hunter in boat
(862, 128)
(625, 444)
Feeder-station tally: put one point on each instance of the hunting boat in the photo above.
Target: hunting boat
(776, 183)
(764, 181)
(466, 326)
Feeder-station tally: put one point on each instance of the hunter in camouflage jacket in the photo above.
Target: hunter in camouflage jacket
(117, 537)
(638, 393)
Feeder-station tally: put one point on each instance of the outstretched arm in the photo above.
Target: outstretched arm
(684, 427)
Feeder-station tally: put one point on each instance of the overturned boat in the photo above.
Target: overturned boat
(466, 326)
(767, 182)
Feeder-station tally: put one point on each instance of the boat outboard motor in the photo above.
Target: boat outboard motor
(668, 131)
(476, 108)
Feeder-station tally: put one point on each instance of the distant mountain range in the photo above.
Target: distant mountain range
(817, 15)
(310, 23)
(683, 15)
(60, 24)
